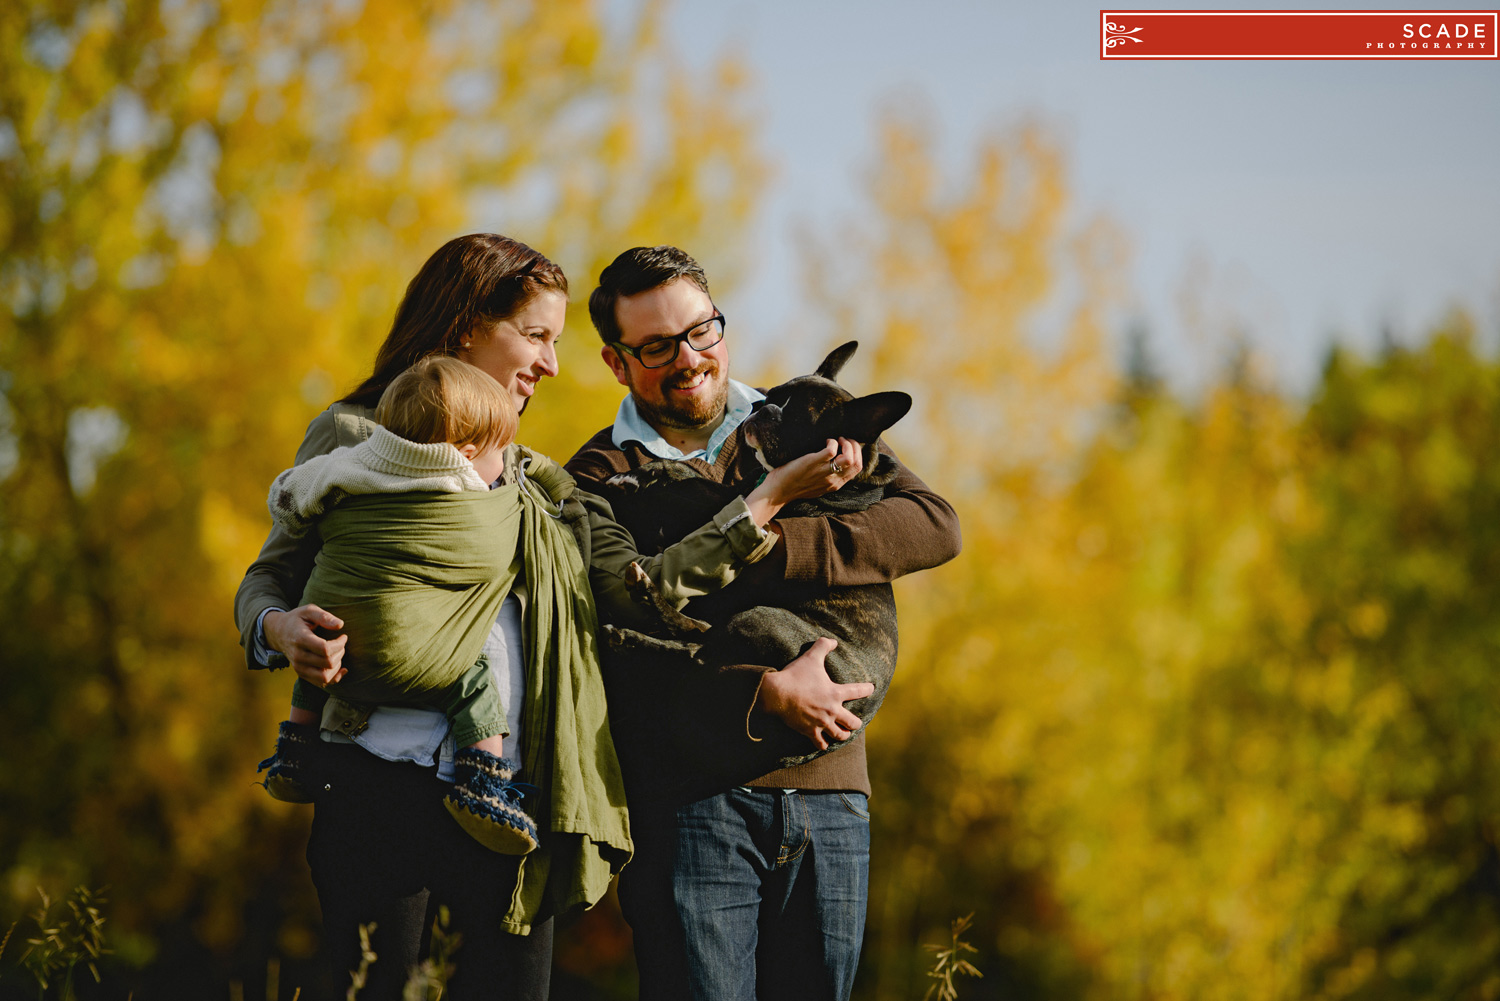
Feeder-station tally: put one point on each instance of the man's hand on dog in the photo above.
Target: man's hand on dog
(809, 701)
(316, 658)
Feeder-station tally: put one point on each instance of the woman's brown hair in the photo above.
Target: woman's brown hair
(482, 278)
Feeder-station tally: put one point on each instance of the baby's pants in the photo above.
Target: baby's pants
(471, 703)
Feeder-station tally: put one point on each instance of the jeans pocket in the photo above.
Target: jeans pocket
(856, 803)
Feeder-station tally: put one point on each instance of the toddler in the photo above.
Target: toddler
(418, 553)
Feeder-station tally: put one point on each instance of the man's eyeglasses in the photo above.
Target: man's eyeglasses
(663, 350)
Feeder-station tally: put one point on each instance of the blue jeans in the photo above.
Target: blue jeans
(751, 893)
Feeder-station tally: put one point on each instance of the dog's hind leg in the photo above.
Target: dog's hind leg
(645, 591)
(639, 642)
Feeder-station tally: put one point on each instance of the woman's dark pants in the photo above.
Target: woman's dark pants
(384, 850)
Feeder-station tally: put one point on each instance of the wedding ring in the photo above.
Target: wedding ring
(838, 468)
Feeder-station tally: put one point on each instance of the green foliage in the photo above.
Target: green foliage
(1218, 714)
(208, 213)
(1207, 709)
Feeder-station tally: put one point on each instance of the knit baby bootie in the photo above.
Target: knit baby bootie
(487, 804)
(288, 775)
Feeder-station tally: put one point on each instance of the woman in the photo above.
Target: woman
(383, 849)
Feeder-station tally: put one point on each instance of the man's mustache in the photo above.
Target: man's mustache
(683, 378)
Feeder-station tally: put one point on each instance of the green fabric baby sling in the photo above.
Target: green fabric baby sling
(569, 753)
(418, 579)
(473, 545)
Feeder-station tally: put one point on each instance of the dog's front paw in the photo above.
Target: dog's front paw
(624, 483)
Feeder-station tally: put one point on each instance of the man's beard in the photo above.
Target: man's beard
(692, 414)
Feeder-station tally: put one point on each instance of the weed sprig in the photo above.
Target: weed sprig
(948, 962)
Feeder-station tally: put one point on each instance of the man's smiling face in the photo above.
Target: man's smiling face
(691, 392)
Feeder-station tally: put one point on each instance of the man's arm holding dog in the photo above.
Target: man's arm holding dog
(800, 694)
(911, 528)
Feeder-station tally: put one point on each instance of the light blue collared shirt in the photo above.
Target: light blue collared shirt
(631, 426)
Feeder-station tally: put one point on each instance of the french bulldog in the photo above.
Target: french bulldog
(661, 501)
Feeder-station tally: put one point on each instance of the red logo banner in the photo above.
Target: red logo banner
(1311, 34)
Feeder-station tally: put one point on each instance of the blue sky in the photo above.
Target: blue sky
(1299, 200)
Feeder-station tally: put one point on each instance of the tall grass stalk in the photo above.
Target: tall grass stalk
(429, 981)
(948, 962)
(366, 957)
(77, 936)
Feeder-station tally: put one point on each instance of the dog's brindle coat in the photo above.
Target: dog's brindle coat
(662, 500)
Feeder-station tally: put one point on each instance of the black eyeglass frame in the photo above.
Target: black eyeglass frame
(677, 341)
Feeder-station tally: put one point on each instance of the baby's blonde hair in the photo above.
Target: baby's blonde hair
(444, 399)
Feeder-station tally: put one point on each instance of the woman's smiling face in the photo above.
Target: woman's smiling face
(520, 351)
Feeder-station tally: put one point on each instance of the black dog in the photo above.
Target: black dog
(662, 500)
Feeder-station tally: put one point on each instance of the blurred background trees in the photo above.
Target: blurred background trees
(209, 213)
(1205, 709)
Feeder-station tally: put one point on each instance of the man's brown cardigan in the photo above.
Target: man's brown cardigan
(911, 529)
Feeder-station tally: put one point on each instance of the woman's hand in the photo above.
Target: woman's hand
(316, 659)
(813, 475)
(809, 701)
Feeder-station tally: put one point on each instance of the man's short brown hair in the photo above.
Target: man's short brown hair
(639, 269)
(444, 399)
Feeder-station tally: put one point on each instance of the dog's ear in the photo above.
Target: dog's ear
(866, 418)
(834, 363)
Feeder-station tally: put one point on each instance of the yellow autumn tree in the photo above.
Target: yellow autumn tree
(208, 212)
(988, 301)
(1204, 709)
(1253, 738)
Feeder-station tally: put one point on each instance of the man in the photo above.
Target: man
(754, 890)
